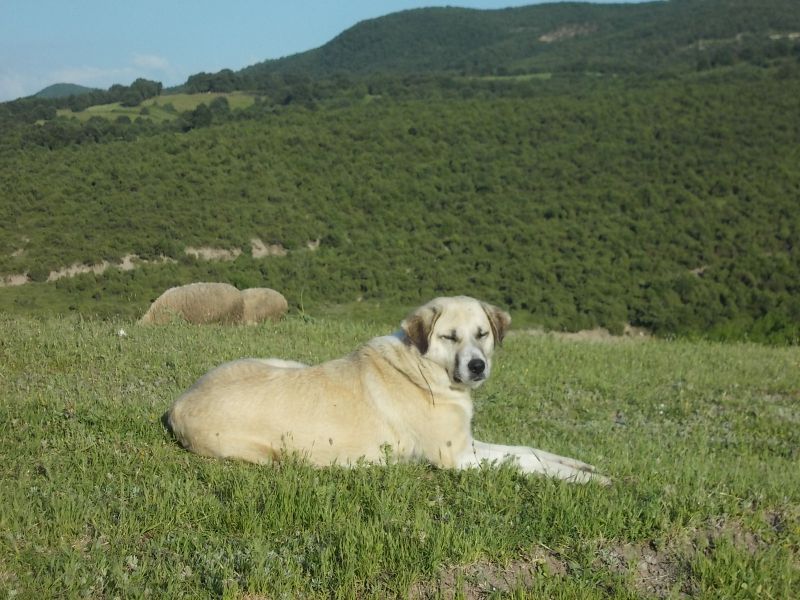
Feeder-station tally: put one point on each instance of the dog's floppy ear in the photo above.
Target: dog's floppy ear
(499, 320)
(418, 326)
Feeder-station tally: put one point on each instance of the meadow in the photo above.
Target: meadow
(160, 109)
(98, 501)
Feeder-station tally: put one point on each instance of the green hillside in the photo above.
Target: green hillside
(670, 205)
(633, 38)
(63, 90)
(660, 191)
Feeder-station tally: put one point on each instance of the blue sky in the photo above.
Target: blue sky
(101, 42)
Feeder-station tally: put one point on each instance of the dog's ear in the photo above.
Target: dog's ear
(418, 327)
(499, 320)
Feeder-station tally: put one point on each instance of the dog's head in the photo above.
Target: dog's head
(459, 334)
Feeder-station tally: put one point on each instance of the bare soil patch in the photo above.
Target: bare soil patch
(482, 579)
(128, 263)
(77, 269)
(209, 253)
(11, 280)
(664, 570)
(598, 334)
(567, 32)
(654, 569)
(259, 249)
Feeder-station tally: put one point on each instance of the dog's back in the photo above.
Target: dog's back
(256, 410)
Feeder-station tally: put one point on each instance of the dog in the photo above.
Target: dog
(401, 397)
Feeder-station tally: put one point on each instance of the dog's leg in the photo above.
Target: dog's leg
(531, 460)
(546, 456)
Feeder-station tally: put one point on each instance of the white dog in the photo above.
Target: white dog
(405, 396)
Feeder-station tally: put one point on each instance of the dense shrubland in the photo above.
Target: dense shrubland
(670, 204)
(643, 168)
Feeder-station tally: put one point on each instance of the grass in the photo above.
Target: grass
(158, 108)
(97, 501)
(184, 102)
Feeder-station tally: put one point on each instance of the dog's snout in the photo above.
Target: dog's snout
(476, 366)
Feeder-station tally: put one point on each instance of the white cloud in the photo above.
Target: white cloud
(151, 62)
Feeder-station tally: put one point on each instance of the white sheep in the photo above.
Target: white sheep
(200, 303)
(261, 304)
(197, 303)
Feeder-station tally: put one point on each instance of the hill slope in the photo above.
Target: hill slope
(63, 90)
(665, 200)
(552, 37)
(666, 204)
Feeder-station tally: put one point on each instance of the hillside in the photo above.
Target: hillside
(668, 205)
(63, 90)
(631, 38)
(575, 198)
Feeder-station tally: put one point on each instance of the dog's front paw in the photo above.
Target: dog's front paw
(590, 476)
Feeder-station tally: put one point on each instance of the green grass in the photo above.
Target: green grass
(184, 102)
(98, 501)
(156, 110)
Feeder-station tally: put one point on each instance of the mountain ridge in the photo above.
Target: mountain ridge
(543, 37)
(574, 37)
(63, 90)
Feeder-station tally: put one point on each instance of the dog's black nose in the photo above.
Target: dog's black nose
(476, 366)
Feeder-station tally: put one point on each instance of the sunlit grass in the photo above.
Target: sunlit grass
(97, 500)
(160, 108)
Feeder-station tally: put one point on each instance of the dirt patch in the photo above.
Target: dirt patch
(663, 570)
(128, 263)
(209, 253)
(655, 572)
(654, 569)
(781, 521)
(567, 32)
(789, 36)
(132, 261)
(259, 249)
(482, 579)
(598, 334)
(741, 538)
(699, 271)
(77, 269)
(10, 280)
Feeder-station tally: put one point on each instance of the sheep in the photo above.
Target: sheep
(261, 304)
(197, 303)
(200, 303)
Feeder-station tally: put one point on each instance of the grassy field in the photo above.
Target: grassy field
(158, 109)
(97, 501)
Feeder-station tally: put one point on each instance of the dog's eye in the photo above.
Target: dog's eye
(450, 337)
(482, 334)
